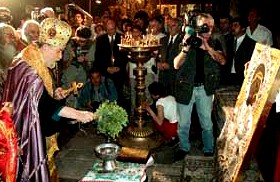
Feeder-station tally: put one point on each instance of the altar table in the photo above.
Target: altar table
(124, 172)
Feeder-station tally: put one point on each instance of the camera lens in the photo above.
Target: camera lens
(203, 28)
(194, 42)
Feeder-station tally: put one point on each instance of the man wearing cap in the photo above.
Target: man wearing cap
(37, 108)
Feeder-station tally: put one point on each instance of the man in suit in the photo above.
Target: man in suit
(239, 54)
(256, 31)
(110, 60)
(169, 50)
(225, 30)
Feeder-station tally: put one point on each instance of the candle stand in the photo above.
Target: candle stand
(140, 133)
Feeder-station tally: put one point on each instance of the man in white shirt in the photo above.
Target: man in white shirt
(258, 32)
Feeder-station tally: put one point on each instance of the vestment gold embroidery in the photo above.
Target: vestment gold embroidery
(33, 57)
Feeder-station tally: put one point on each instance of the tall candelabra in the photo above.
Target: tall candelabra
(140, 133)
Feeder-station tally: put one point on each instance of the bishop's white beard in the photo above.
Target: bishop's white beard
(52, 66)
(8, 52)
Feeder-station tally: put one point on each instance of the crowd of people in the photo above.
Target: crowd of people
(47, 53)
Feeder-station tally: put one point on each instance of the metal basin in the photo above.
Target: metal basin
(108, 153)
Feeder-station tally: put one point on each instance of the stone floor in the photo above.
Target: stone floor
(76, 157)
(76, 154)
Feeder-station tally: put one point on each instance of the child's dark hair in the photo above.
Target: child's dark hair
(94, 69)
(83, 32)
(138, 27)
(157, 88)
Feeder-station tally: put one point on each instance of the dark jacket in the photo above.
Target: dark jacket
(106, 90)
(241, 56)
(103, 60)
(103, 55)
(186, 74)
(167, 77)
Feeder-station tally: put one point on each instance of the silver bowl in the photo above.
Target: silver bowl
(107, 152)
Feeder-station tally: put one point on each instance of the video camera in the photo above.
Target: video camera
(193, 30)
(80, 51)
(72, 10)
(71, 6)
(36, 15)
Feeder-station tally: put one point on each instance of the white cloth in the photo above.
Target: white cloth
(110, 37)
(170, 108)
(261, 35)
(173, 38)
(277, 100)
(239, 41)
(93, 33)
(131, 66)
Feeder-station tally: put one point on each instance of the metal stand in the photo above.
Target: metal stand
(140, 133)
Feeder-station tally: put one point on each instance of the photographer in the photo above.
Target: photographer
(77, 16)
(188, 40)
(198, 76)
(39, 15)
(47, 12)
(78, 58)
(80, 47)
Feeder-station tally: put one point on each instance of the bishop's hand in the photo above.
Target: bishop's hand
(86, 116)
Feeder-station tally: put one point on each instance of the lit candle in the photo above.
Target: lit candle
(113, 60)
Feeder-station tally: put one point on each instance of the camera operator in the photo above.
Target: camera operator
(80, 47)
(77, 16)
(44, 13)
(78, 58)
(197, 78)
